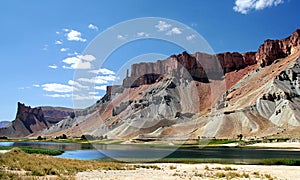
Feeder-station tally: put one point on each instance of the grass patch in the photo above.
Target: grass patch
(288, 162)
(31, 150)
(42, 165)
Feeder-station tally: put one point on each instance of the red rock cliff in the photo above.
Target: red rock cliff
(275, 49)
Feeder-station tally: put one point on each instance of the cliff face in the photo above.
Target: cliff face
(31, 121)
(182, 96)
(202, 67)
(199, 66)
(28, 121)
(275, 49)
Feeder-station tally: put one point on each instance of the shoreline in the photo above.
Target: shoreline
(195, 171)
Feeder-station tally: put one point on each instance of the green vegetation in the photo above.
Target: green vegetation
(13, 162)
(31, 150)
(288, 162)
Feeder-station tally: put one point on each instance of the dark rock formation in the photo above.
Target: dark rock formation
(55, 114)
(28, 121)
(198, 66)
(275, 49)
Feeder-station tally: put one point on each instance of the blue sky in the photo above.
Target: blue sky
(42, 42)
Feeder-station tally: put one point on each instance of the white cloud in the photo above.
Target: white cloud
(66, 67)
(93, 93)
(121, 37)
(99, 79)
(58, 42)
(53, 66)
(73, 54)
(23, 88)
(102, 71)
(72, 60)
(93, 80)
(142, 34)
(77, 84)
(245, 6)
(103, 88)
(85, 97)
(60, 88)
(59, 95)
(174, 30)
(57, 32)
(65, 30)
(92, 26)
(81, 65)
(191, 37)
(64, 49)
(163, 26)
(74, 35)
(79, 62)
(36, 85)
(87, 57)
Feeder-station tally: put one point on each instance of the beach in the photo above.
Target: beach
(196, 171)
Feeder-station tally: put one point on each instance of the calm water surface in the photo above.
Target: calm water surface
(89, 152)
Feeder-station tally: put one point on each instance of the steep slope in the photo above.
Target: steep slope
(31, 121)
(200, 95)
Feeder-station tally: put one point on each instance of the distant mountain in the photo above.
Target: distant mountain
(31, 121)
(255, 94)
(4, 123)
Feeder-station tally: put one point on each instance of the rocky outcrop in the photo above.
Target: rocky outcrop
(275, 49)
(28, 121)
(55, 114)
(198, 66)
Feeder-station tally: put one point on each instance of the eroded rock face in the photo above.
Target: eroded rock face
(28, 121)
(275, 49)
(199, 66)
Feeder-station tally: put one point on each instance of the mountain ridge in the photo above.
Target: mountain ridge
(192, 95)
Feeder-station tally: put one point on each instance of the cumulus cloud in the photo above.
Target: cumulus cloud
(102, 71)
(245, 6)
(99, 79)
(142, 34)
(74, 35)
(102, 88)
(79, 62)
(56, 87)
(163, 26)
(58, 42)
(174, 30)
(191, 37)
(77, 84)
(36, 85)
(53, 66)
(73, 54)
(59, 95)
(92, 26)
(85, 97)
(64, 49)
(93, 93)
(87, 57)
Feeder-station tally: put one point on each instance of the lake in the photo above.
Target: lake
(127, 152)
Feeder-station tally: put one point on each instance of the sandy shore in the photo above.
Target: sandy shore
(196, 171)
(278, 145)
